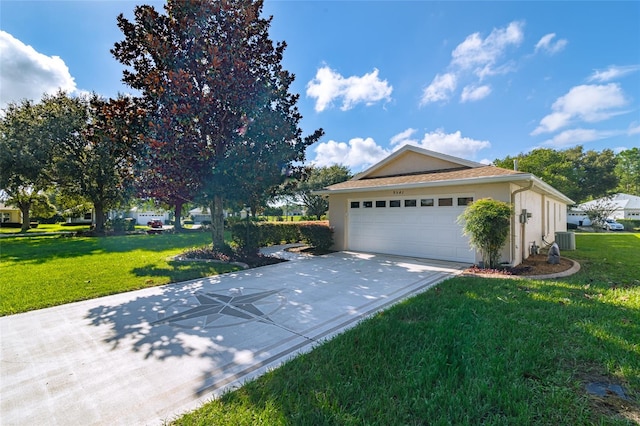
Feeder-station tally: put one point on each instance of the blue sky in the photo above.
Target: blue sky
(478, 80)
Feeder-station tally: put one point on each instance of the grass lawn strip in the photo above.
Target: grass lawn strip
(472, 350)
(39, 272)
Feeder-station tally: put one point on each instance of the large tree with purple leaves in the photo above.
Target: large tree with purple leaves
(221, 114)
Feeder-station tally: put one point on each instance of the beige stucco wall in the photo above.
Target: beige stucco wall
(548, 215)
(14, 215)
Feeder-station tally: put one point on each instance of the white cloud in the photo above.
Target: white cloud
(328, 85)
(361, 153)
(478, 56)
(447, 143)
(588, 103)
(403, 137)
(475, 93)
(619, 149)
(440, 88)
(634, 129)
(358, 154)
(612, 73)
(482, 54)
(27, 74)
(547, 45)
(578, 136)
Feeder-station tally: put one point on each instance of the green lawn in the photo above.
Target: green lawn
(471, 351)
(45, 271)
(45, 227)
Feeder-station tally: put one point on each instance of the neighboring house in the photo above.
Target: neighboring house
(143, 217)
(408, 204)
(578, 217)
(85, 218)
(293, 210)
(626, 207)
(199, 215)
(9, 214)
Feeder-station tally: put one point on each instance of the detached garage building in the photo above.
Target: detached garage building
(408, 204)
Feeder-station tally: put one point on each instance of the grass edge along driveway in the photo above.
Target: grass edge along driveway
(470, 351)
(39, 272)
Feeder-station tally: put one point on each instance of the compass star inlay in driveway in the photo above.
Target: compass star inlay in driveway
(223, 310)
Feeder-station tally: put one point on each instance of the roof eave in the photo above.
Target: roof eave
(439, 183)
(524, 177)
(545, 187)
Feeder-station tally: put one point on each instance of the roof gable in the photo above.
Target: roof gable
(4, 206)
(410, 160)
(620, 201)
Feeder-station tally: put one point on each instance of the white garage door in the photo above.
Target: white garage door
(420, 227)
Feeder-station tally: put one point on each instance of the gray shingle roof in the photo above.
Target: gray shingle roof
(431, 177)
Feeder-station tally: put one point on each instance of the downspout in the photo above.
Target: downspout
(513, 220)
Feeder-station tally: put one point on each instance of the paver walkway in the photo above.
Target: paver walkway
(146, 356)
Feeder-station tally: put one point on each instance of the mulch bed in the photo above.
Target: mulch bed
(533, 265)
(245, 260)
(305, 249)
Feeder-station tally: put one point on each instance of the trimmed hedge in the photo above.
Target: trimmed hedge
(49, 220)
(318, 236)
(263, 234)
(629, 224)
(32, 224)
(126, 224)
(11, 225)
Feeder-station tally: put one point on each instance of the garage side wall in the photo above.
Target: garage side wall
(547, 216)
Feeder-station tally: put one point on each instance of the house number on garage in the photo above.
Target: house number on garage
(398, 192)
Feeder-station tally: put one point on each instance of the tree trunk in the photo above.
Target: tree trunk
(26, 219)
(177, 223)
(217, 221)
(99, 210)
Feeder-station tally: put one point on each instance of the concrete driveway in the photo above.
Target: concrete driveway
(146, 356)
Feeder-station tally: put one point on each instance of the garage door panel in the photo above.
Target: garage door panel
(430, 232)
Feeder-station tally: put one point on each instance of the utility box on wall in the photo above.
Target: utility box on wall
(525, 216)
(566, 240)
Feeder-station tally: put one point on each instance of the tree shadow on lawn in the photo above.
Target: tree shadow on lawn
(181, 271)
(40, 250)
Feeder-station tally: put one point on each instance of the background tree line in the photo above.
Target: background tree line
(579, 174)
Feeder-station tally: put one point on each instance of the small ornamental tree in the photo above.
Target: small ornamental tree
(319, 178)
(599, 211)
(486, 222)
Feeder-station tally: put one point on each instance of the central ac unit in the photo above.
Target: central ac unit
(566, 240)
